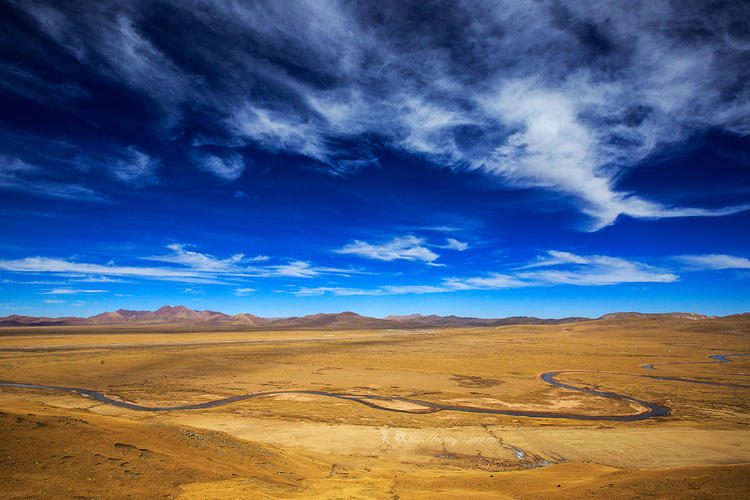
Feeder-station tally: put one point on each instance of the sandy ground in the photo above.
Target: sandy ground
(330, 448)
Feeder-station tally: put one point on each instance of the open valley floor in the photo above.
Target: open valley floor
(652, 407)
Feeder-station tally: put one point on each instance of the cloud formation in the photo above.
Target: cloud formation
(399, 248)
(596, 270)
(58, 169)
(454, 244)
(564, 98)
(186, 266)
(198, 261)
(714, 262)
(303, 269)
(578, 270)
(228, 167)
(18, 175)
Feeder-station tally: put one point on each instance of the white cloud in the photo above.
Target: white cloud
(62, 267)
(714, 261)
(57, 170)
(493, 281)
(321, 290)
(303, 269)
(243, 291)
(98, 279)
(199, 261)
(17, 175)
(228, 167)
(443, 229)
(186, 266)
(559, 97)
(589, 270)
(554, 149)
(400, 248)
(556, 258)
(54, 301)
(454, 244)
(595, 270)
(279, 132)
(414, 289)
(296, 269)
(71, 291)
(135, 168)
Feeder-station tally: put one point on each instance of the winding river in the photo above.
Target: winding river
(650, 409)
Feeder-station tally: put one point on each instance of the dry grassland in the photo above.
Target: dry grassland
(60, 444)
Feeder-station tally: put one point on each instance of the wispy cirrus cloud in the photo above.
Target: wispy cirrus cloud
(184, 265)
(454, 244)
(562, 98)
(713, 262)
(62, 267)
(18, 175)
(135, 167)
(303, 269)
(409, 247)
(491, 281)
(566, 269)
(556, 258)
(597, 270)
(399, 248)
(198, 261)
(341, 291)
(72, 291)
(57, 169)
(228, 166)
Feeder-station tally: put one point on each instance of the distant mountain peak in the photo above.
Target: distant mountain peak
(405, 317)
(342, 320)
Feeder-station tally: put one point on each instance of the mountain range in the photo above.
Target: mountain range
(182, 314)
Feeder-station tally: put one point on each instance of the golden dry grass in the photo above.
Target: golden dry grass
(341, 449)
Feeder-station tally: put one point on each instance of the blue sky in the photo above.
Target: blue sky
(286, 158)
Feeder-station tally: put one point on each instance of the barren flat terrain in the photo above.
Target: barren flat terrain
(417, 413)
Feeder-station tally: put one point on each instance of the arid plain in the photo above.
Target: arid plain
(293, 443)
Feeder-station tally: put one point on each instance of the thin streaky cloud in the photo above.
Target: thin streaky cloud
(454, 244)
(400, 248)
(713, 262)
(72, 291)
(228, 167)
(596, 270)
(198, 261)
(556, 258)
(619, 84)
(591, 270)
(62, 266)
(341, 291)
(186, 265)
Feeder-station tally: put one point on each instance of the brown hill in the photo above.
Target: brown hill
(163, 314)
(406, 317)
(16, 320)
(249, 319)
(348, 319)
(345, 319)
(419, 321)
(674, 315)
